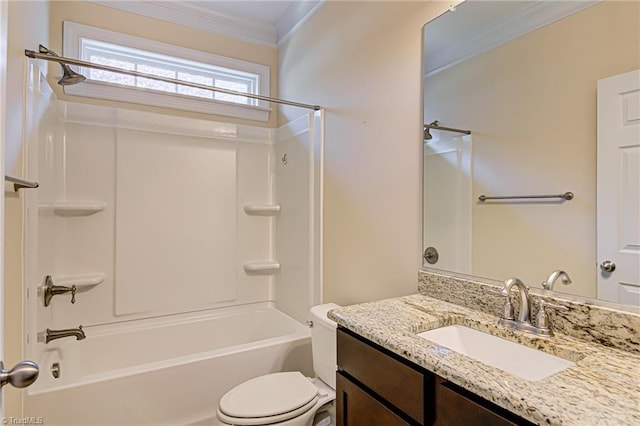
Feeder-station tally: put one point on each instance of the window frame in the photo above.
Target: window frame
(73, 33)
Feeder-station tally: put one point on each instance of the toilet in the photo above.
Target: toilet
(289, 398)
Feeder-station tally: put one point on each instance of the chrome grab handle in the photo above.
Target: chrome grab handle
(565, 196)
(20, 376)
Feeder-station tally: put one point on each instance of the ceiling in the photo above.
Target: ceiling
(266, 12)
(267, 22)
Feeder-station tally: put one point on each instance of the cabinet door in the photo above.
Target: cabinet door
(355, 407)
(392, 380)
(456, 407)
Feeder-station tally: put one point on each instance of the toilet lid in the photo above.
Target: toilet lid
(269, 395)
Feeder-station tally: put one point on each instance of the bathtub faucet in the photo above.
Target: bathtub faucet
(50, 335)
(51, 290)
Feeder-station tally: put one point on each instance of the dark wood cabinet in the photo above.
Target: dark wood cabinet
(456, 406)
(378, 387)
(355, 407)
(390, 379)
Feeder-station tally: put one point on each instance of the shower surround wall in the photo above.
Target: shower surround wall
(166, 226)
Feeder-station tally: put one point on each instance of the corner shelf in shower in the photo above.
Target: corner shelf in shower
(69, 208)
(261, 267)
(83, 282)
(261, 209)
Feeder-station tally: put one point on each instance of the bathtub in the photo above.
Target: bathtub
(164, 371)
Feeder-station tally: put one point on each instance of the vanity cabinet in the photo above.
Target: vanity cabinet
(457, 406)
(395, 385)
(378, 387)
(357, 407)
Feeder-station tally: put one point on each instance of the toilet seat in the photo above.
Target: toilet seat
(255, 421)
(268, 399)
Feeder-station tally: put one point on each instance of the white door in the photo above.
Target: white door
(447, 202)
(618, 210)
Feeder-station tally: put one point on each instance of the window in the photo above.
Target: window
(146, 56)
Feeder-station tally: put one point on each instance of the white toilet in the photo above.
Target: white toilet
(289, 398)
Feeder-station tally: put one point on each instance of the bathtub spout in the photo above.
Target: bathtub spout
(50, 335)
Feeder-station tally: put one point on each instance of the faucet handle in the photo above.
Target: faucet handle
(73, 294)
(542, 303)
(507, 308)
(542, 318)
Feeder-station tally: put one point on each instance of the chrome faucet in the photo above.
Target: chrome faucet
(507, 319)
(548, 284)
(523, 323)
(50, 335)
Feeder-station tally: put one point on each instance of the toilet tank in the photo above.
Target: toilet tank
(323, 343)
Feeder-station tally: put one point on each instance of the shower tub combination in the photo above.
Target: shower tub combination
(168, 372)
(173, 319)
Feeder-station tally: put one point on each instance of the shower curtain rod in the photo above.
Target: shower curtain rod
(77, 62)
(436, 126)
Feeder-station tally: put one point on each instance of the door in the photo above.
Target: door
(618, 185)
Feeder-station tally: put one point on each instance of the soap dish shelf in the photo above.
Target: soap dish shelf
(83, 282)
(264, 267)
(69, 209)
(261, 209)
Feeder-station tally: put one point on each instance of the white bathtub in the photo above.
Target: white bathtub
(164, 371)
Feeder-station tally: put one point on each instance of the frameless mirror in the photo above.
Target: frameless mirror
(541, 86)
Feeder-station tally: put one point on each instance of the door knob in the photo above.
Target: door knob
(608, 266)
(21, 375)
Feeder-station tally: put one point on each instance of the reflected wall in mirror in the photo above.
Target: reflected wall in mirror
(523, 77)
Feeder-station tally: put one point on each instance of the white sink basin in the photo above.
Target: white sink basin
(519, 360)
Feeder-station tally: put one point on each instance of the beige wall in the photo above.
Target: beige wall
(361, 61)
(86, 13)
(533, 117)
(28, 25)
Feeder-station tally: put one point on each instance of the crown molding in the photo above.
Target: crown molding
(512, 26)
(190, 15)
(293, 18)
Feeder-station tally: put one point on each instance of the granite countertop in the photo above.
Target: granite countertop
(603, 388)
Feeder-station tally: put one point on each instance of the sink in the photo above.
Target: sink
(514, 358)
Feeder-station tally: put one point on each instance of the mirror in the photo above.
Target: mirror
(522, 77)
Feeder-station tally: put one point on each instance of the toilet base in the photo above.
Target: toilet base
(326, 415)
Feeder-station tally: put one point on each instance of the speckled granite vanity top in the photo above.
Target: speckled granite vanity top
(603, 388)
